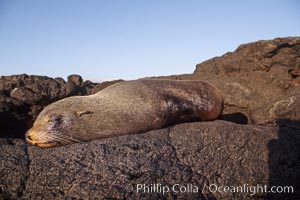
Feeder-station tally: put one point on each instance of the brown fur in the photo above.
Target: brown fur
(128, 107)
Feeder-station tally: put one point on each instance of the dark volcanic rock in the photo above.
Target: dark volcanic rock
(281, 54)
(22, 97)
(201, 154)
(13, 170)
(254, 78)
(74, 85)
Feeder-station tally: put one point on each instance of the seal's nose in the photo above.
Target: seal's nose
(27, 136)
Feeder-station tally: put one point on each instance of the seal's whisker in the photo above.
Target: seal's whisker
(64, 138)
(43, 135)
(73, 139)
(60, 140)
(56, 138)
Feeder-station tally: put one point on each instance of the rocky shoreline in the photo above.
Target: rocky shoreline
(257, 141)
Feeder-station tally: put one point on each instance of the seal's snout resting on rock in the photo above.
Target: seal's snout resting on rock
(128, 107)
(48, 129)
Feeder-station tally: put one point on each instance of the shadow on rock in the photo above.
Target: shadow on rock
(238, 118)
(14, 125)
(284, 161)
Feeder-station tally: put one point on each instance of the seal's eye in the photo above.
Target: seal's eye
(57, 119)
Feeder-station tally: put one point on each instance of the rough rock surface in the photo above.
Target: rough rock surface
(257, 77)
(22, 97)
(254, 79)
(261, 86)
(198, 154)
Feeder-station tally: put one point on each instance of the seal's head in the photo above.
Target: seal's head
(55, 126)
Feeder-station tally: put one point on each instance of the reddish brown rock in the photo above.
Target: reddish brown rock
(253, 78)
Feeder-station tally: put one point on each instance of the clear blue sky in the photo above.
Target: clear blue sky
(129, 39)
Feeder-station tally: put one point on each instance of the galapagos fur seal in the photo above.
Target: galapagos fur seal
(127, 107)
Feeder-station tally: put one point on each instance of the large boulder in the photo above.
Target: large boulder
(256, 78)
(276, 55)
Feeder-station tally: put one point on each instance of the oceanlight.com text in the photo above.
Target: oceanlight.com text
(213, 188)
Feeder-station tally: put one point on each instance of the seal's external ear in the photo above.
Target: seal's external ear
(80, 113)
